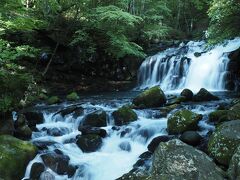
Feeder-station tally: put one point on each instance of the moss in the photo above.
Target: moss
(43, 96)
(15, 155)
(72, 96)
(218, 115)
(124, 115)
(53, 100)
(183, 120)
(224, 141)
(153, 97)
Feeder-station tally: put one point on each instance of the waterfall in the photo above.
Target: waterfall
(193, 65)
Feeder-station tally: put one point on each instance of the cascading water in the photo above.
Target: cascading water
(192, 65)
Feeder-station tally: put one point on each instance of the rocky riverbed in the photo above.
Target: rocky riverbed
(126, 135)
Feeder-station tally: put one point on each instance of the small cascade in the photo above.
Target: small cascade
(193, 65)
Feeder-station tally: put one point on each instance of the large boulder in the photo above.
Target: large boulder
(177, 160)
(191, 138)
(15, 155)
(36, 170)
(6, 124)
(204, 95)
(86, 130)
(58, 163)
(224, 141)
(124, 115)
(96, 119)
(188, 94)
(156, 141)
(89, 143)
(183, 120)
(234, 167)
(34, 118)
(153, 97)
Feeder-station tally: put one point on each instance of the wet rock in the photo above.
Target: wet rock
(183, 120)
(86, 130)
(6, 124)
(175, 159)
(96, 119)
(167, 109)
(156, 141)
(42, 145)
(36, 170)
(57, 131)
(146, 133)
(89, 143)
(47, 176)
(57, 162)
(224, 141)
(21, 121)
(74, 110)
(23, 132)
(191, 138)
(177, 100)
(218, 115)
(188, 94)
(153, 97)
(146, 155)
(204, 95)
(34, 118)
(125, 146)
(125, 131)
(124, 115)
(15, 155)
(234, 166)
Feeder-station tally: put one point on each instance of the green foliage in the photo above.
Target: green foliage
(225, 22)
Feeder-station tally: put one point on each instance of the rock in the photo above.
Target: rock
(234, 166)
(57, 162)
(53, 100)
(197, 54)
(125, 146)
(85, 130)
(21, 121)
(153, 97)
(218, 115)
(15, 155)
(156, 141)
(124, 115)
(6, 124)
(43, 96)
(47, 176)
(89, 143)
(164, 111)
(42, 145)
(96, 119)
(57, 131)
(183, 120)
(191, 138)
(188, 94)
(34, 118)
(72, 96)
(146, 155)
(177, 160)
(224, 141)
(74, 110)
(23, 132)
(36, 170)
(204, 95)
(177, 100)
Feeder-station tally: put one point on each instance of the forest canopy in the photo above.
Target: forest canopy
(100, 31)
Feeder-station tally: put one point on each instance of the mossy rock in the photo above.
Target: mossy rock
(89, 143)
(42, 96)
(187, 93)
(15, 155)
(183, 120)
(153, 97)
(124, 115)
(72, 96)
(204, 95)
(234, 167)
(218, 116)
(53, 100)
(176, 160)
(95, 119)
(224, 141)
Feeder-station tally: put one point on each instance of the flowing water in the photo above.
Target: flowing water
(173, 69)
(193, 65)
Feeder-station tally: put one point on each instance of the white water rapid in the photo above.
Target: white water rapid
(192, 65)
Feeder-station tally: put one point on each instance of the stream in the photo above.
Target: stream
(173, 69)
